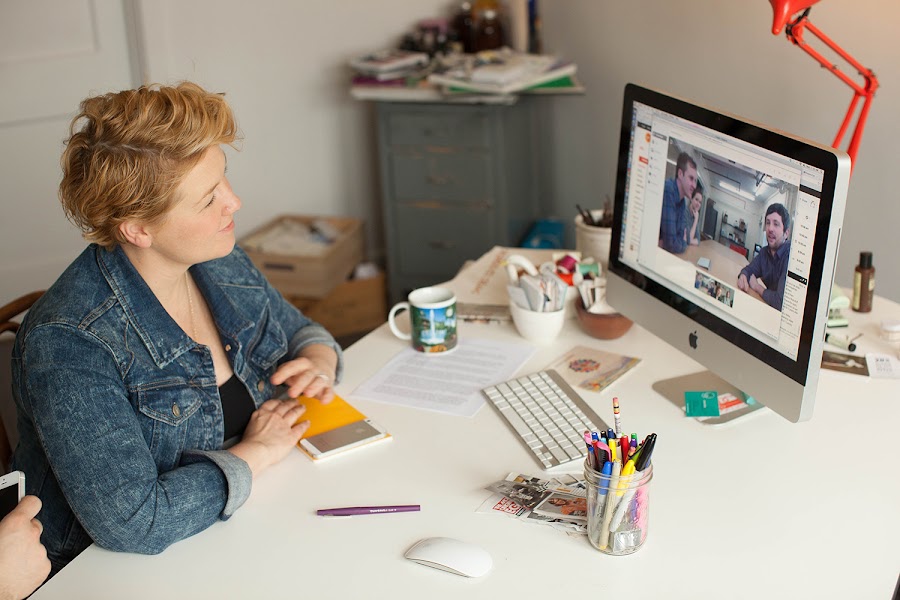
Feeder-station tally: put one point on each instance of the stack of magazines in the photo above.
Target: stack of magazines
(506, 72)
(559, 502)
(388, 65)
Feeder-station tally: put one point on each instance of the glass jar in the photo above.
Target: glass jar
(464, 27)
(618, 510)
(489, 35)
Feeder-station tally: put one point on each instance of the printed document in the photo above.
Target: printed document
(448, 383)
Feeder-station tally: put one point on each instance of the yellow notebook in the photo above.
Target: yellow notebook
(335, 428)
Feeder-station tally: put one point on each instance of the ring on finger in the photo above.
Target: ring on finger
(323, 376)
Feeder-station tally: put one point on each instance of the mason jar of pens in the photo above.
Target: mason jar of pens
(617, 473)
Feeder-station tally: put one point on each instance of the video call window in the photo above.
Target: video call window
(724, 218)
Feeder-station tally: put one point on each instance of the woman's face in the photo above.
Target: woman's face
(696, 201)
(200, 224)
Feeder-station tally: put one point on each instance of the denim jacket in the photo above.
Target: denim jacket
(119, 415)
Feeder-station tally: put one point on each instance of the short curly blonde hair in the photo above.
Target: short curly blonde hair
(128, 151)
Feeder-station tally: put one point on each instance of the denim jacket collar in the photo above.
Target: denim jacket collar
(151, 321)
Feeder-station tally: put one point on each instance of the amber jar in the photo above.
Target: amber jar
(863, 283)
(489, 35)
(464, 27)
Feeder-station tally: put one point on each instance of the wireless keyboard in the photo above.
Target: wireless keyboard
(547, 416)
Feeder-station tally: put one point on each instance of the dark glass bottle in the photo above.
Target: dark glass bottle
(863, 283)
(464, 27)
(490, 33)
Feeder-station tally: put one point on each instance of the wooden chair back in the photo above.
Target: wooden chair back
(8, 312)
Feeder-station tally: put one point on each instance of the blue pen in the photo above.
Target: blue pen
(590, 449)
(606, 473)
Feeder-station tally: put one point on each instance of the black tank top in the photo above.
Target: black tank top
(237, 406)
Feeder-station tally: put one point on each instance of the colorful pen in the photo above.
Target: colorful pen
(610, 502)
(601, 495)
(590, 449)
(602, 451)
(616, 416)
(624, 482)
(350, 511)
(646, 451)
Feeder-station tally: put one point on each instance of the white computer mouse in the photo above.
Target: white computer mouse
(454, 556)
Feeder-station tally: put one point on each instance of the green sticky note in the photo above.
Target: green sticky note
(701, 404)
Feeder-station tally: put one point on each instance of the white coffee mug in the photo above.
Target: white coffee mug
(432, 314)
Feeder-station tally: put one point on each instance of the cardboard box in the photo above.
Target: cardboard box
(313, 276)
(357, 305)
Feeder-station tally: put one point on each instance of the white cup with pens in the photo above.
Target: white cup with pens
(537, 301)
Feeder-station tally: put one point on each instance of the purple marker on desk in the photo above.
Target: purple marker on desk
(366, 510)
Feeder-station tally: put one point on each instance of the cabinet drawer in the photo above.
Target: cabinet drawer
(438, 130)
(438, 240)
(451, 177)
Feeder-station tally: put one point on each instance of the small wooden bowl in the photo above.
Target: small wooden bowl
(605, 327)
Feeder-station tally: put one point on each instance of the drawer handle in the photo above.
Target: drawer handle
(439, 180)
(442, 245)
(430, 204)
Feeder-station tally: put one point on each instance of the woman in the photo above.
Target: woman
(161, 342)
(692, 217)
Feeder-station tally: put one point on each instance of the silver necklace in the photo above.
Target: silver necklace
(187, 286)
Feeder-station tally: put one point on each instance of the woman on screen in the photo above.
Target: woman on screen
(692, 217)
(161, 345)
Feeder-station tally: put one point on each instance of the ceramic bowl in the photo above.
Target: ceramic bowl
(605, 327)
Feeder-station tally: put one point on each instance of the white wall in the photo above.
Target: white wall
(723, 54)
(309, 148)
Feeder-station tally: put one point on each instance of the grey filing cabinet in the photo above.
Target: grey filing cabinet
(456, 180)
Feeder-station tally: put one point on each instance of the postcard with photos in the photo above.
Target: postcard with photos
(563, 506)
(526, 495)
(592, 369)
(846, 363)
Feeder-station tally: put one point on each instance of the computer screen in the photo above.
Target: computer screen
(725, 238)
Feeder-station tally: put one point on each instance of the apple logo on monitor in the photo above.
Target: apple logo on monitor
(692, 340)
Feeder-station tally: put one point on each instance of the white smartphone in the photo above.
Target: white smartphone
(342, 438)
(12, 489)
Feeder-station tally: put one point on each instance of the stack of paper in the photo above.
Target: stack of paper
(389, 64)
(506, 72)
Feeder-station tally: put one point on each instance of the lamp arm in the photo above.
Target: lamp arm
(794, 32)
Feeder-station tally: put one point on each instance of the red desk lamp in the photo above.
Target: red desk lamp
(786, 17)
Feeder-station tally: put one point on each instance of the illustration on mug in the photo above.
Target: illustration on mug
(435, 329)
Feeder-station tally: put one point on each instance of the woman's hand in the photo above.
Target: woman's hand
(311, 375)
(270, 435)
(23, 560)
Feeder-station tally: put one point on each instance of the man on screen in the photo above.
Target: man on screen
(676, 192)
(767, 272)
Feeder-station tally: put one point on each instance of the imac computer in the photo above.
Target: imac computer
(747, 295)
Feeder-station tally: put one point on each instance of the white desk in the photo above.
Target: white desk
(759, 509)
